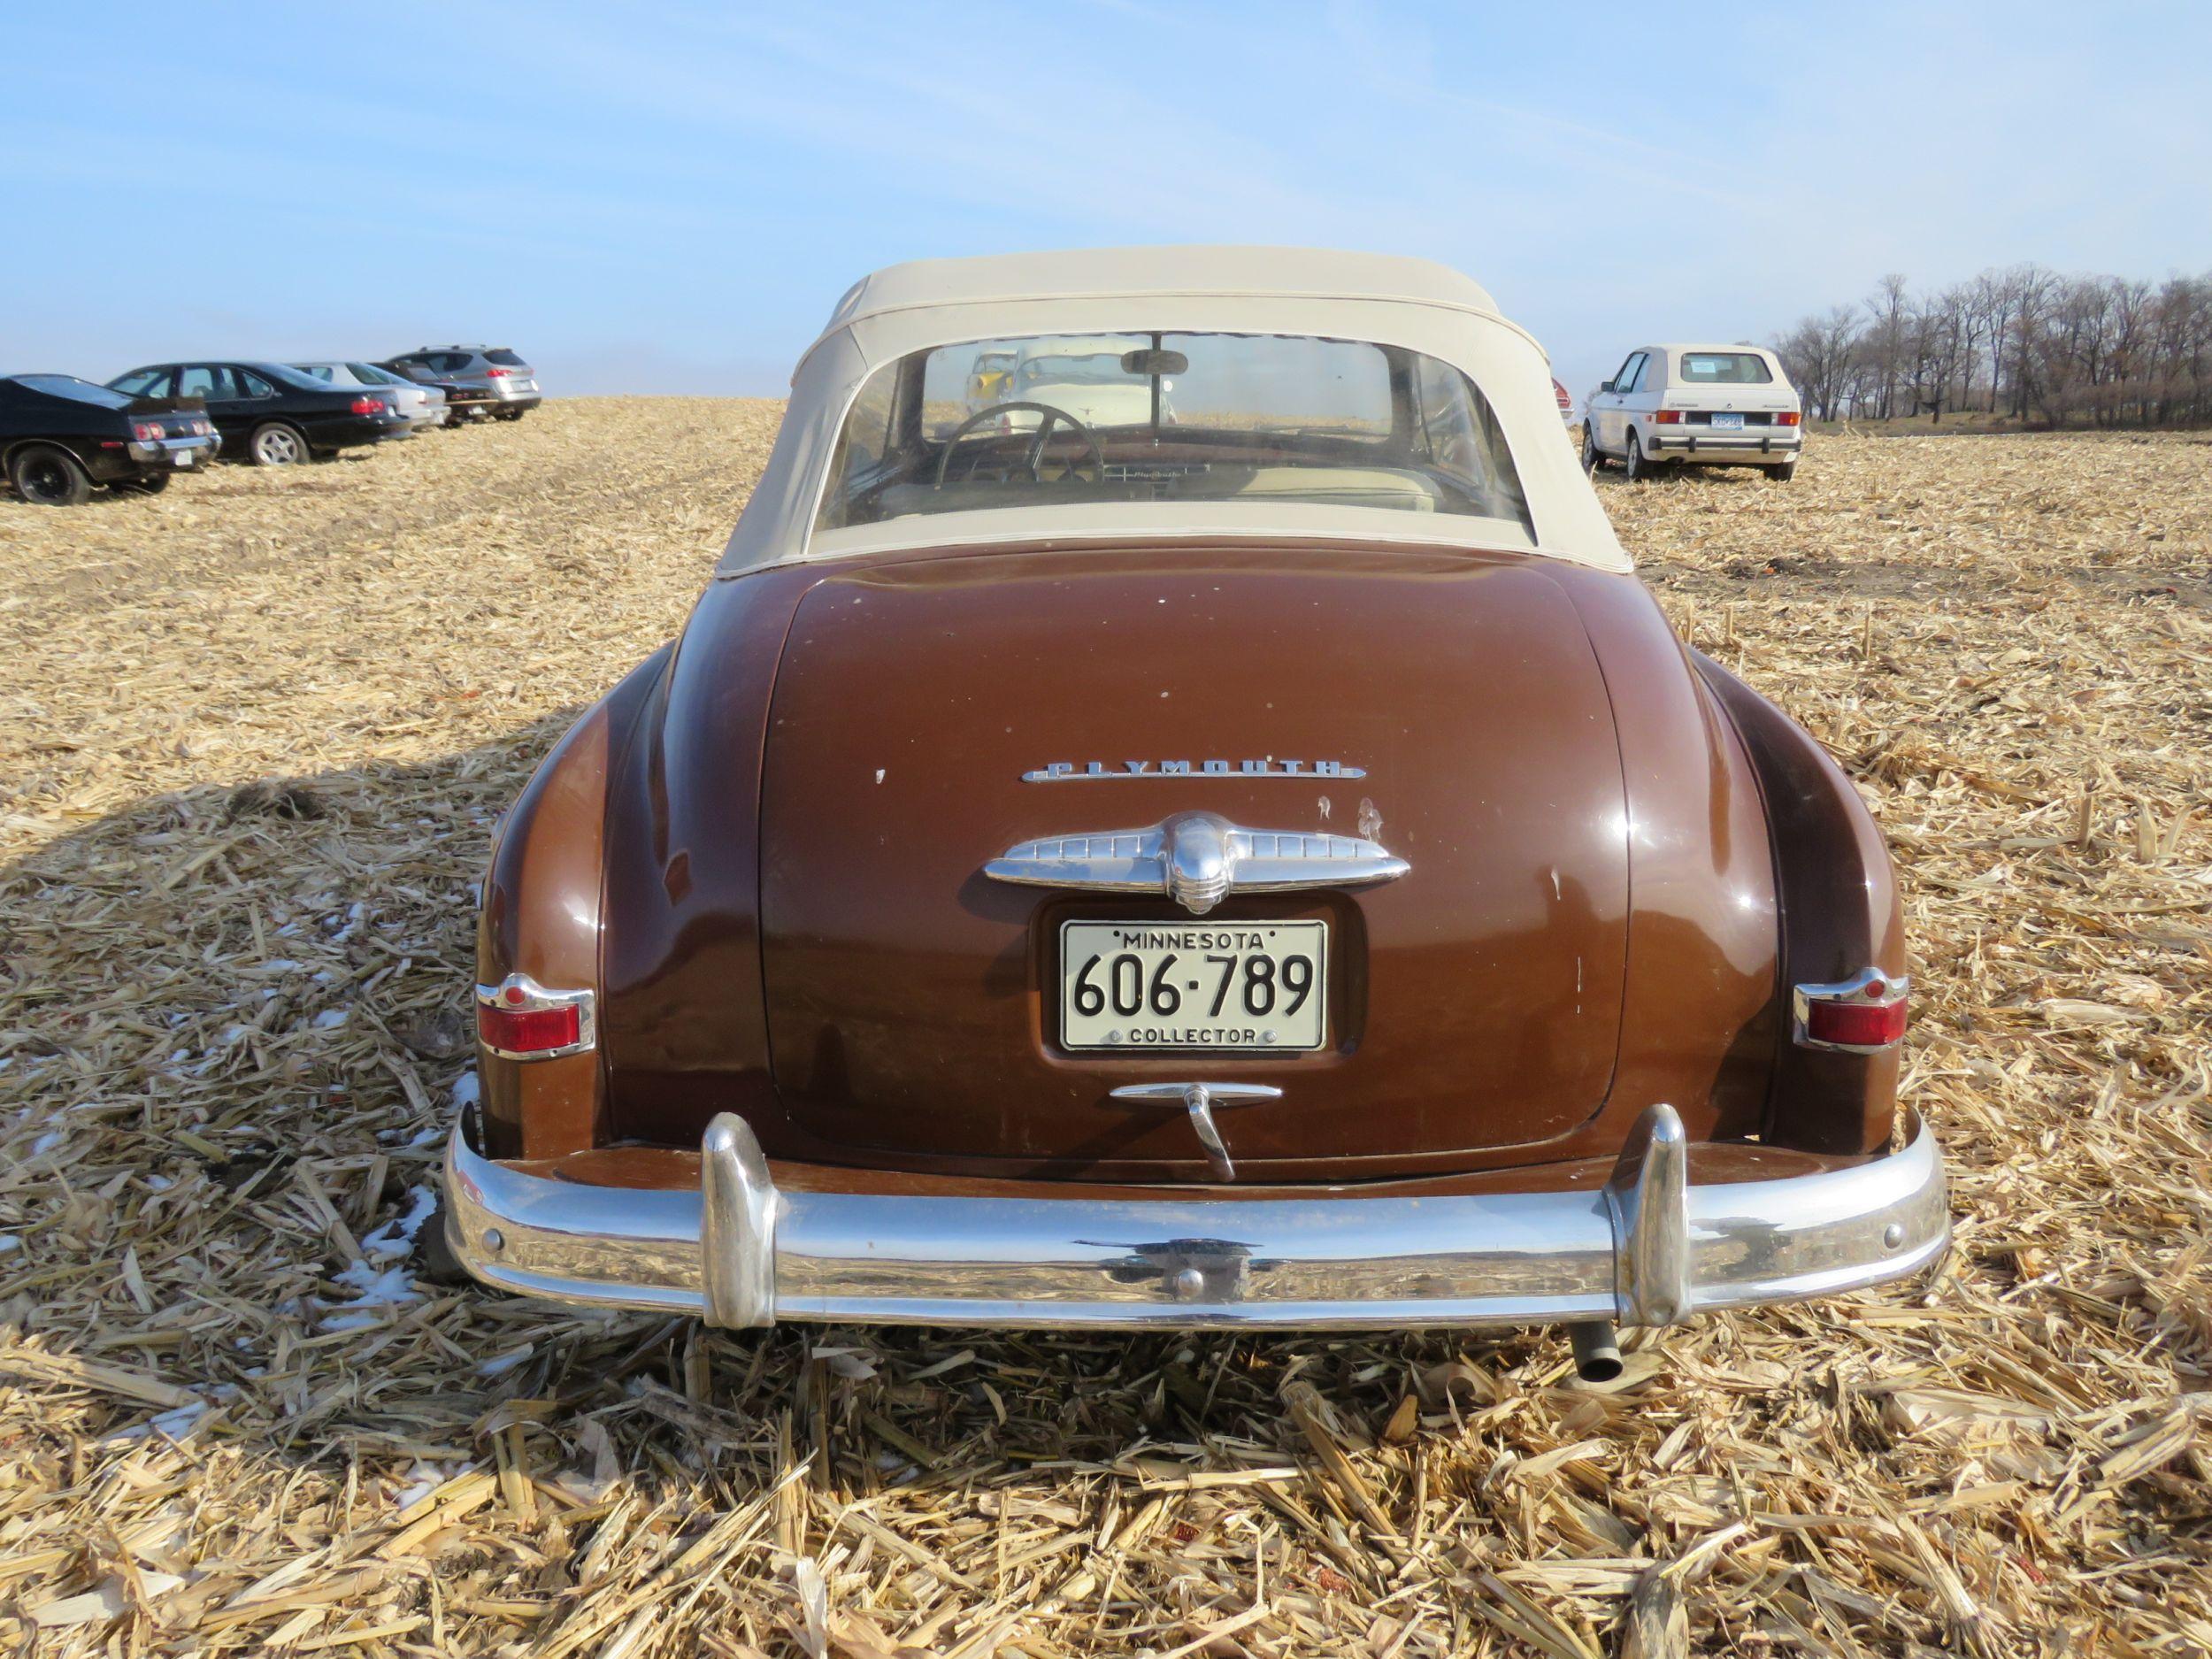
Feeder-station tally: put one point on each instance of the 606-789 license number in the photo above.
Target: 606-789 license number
(1151, 985)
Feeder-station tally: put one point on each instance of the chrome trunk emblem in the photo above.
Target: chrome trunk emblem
(1199, 1100)
(1197, 859)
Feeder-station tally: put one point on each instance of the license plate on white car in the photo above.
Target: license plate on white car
(1166, 984)
(1727, 423)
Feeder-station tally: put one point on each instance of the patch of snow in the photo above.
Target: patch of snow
(500, 1364)
(331, 1018)
(46, 1142)
(389, 1288)
(396, 1236)
(466, 1090)
(9, 1241)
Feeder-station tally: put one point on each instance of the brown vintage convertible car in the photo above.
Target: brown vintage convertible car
(1208, 832)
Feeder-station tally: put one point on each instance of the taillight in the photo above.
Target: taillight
(1666, 417)
(1787, 418)
(519, 1020)
(146, 431)
(200, 429)
(1862, 1015)
(497, 373)
(371, 406)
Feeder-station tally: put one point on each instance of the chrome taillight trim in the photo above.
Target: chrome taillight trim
(1896, 988)
(536, 998)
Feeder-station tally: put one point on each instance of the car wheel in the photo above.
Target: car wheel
(1637, 468)
(145, 483)
(276, 444)
(1591, 459)
(511, 414)
(434, 1253)
(1783, 474)
(48, 477)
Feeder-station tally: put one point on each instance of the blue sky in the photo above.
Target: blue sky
(669, 198)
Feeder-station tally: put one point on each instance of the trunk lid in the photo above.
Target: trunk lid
(1473, 1003)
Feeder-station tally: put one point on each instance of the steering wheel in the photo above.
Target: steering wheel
(1034, 459)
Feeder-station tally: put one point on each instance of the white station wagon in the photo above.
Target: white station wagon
(1704, 405)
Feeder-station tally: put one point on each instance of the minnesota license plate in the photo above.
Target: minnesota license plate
(183, 458)
(1168, 984)
(1727, 423)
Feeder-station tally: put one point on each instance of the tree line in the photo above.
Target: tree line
(2025, 343)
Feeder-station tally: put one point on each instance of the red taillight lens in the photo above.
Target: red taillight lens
(371, 406)
(1667, 416)
(497, 374)
(1865, 1011)
(146, 430)
(519, 1020)
(1787, 418)
(514, 1031)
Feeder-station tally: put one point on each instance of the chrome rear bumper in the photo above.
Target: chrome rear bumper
(1648, 1249)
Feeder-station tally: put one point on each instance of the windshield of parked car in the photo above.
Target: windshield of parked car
(1726, 368)
(1169, 417)
(70, 386)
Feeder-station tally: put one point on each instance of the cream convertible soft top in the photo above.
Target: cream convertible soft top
(1377, 298)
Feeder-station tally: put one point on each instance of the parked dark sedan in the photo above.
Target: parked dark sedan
(274, 414)
(60, 435)
(463, 401)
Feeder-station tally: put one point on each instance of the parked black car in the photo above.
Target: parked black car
(60, 435)
(271, 413)
(464, 401)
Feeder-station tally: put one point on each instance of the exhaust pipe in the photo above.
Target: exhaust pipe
(1597, 1351)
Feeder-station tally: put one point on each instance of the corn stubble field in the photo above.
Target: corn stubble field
(253, 737)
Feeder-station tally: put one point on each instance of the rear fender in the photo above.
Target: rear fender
(540, 915)
(1839, 913)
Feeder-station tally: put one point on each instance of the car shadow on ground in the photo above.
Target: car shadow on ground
(239, 1028)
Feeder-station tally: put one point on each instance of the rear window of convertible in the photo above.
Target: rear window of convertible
(1726, 368)
(1059, 421)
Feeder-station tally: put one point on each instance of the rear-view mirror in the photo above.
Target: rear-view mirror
(1150, 361)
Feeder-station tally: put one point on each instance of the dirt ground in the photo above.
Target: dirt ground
(253, 734)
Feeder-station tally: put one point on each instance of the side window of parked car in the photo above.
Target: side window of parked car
(204, 379)
(456, 362)
(1632, 377)
(251, 385)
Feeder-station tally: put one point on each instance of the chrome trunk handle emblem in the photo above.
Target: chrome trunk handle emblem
(1197, 859)
(1200, 1099)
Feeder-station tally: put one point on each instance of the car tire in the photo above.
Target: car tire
(434, 1259)
(513, 414)
(47, 476)
(144, 484)
(1783, 474)
(278, 444)
(1637, 469)
(1590, 458)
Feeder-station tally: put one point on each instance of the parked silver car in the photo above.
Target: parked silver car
(511, 383)
(423, 405)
